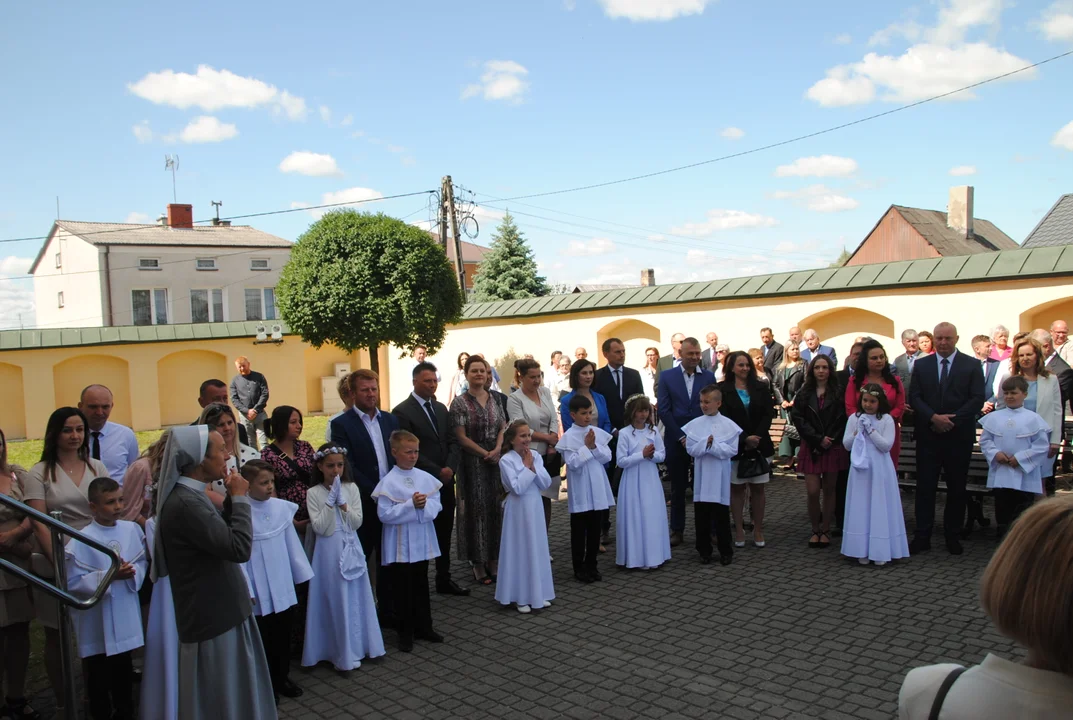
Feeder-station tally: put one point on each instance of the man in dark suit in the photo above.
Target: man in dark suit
(772, 351)
(214, 391)
(946, 393)
(617, 383)
(678, 400)
(981, 348)
(903, 364)
(365, 432)
(813, 348)
(709, 359)
(427, 418)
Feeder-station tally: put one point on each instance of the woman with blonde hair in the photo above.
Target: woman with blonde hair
(1027, 591)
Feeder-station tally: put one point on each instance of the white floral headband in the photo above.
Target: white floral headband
(321, 454)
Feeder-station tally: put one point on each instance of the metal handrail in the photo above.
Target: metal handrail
(54, 522)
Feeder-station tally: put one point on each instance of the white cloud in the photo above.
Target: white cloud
(206, 128)
(818, 166)
(1064, 137)
(733, 133)
(718, 220)
(137, 218)
(700, 257)
(941, 60)
(142, 132)
(16, 296)
(347, 120)
(842, 39)
(211, 90)
(350, 195)
(325, 114)
(643, 10)
(501, 80)
(408, 160)
(1056, 24)
(588, 248)
(313, 164)
(961, 170)
(818, 198)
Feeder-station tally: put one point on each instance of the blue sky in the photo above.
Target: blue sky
(271, 106)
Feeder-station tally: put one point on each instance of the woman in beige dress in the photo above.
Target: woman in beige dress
(59, 482)
(16, 606)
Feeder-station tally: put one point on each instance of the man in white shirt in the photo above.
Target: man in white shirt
(111, 443)
(708, 360)
(420, 356)
(795, 337)
(1062, 344)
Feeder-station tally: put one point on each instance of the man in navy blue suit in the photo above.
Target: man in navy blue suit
(365, 432)
(813, 348)
(678, 398)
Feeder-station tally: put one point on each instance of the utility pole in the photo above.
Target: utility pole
(449, 200)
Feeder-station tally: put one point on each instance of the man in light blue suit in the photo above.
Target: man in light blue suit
(678, 398)
(813, 348)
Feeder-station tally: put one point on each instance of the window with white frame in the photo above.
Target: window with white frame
(148, 263)
(59, 299)
(149, 306)
(59, 260)
(206, 263)
(259, 264)
(260, 303)
(207, 305)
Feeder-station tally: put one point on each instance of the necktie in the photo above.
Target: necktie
(942, 376)
(618, 381)
(431, 416)
(96, 444)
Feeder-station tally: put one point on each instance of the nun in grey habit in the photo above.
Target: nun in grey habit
(223, 672)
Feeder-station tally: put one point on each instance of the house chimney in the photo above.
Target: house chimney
(959, 211)
(648, 277)
(180, 216)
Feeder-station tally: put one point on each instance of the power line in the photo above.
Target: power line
(799, 138)
(234, 217)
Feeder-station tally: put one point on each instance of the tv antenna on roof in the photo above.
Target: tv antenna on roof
(171, 162)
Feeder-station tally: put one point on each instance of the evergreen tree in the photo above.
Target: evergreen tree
(508, 271)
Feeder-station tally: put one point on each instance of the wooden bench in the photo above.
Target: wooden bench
(778, 427)
(907, 465)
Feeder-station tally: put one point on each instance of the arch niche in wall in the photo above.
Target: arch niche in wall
(12, 402)
(848, 321)
(634, 334)
(1041, 316)
(73, 374)
(179, 378)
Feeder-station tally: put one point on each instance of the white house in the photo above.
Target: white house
(91, 274)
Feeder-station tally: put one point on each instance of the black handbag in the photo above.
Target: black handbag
(752, 463)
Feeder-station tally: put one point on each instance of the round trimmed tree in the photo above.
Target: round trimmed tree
(359, 280)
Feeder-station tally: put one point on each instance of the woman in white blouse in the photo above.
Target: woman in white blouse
(533, 403)
(1027, 591)
(221, 418)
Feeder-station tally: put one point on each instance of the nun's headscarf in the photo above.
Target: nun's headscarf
(186, 449)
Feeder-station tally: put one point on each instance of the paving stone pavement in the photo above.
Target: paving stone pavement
(784, 632)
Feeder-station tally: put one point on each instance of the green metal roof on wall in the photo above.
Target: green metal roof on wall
(990, 266)
(82, 337)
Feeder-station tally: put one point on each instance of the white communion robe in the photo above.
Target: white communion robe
(587, 485)
(874, 526)
(524, 558)
(160, 671)
(277, 560)
(711, 464)
(114, 625)
(1019, 433)
(408, 533)
(642, 539)
(341, 622)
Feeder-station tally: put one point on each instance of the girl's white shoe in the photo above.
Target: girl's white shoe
(880, 563)
(523, 609)
(863, 561)
(547, 603)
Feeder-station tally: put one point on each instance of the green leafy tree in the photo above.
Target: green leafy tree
(841, 259)
(508, 271)
(358, 280)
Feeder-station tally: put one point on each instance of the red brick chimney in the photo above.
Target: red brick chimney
(180, 216)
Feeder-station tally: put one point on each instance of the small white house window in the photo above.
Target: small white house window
(59, 260)
(148, 263)
(206, 263)
(59, 297)
(259, 264)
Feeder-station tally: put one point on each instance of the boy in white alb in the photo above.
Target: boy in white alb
(407, 501)
(711, 440)
(1015, 442)
(585, 451)
(110, 630)
(277, 563)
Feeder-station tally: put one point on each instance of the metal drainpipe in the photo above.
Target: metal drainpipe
(108, 284)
